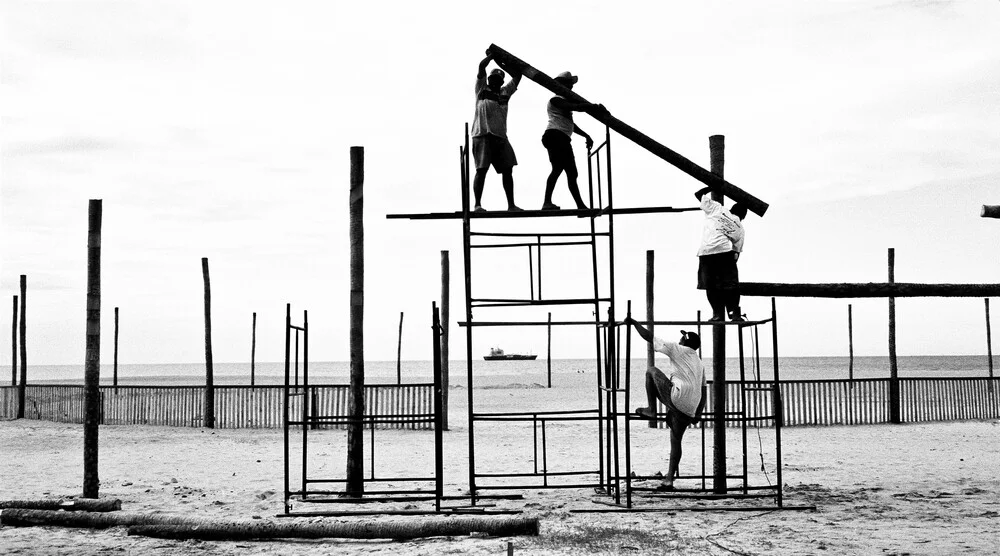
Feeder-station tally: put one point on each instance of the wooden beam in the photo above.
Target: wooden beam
(514, 64)
(871, 289)
(990, 211)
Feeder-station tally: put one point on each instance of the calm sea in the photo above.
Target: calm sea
(499, 373)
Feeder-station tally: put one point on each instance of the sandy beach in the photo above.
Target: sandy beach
(882, 489)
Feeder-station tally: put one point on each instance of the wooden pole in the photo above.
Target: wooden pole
(850, 345)
(650, 353)
(92, 359)
(445, 315)
(115, 371)
(548, 351)
(868, 290)
(894, 416)
(990, 211)
(717, 146)
(399, 351)
(23, 329)
(253, 348)
(512, 63)
(13, 346)
(356, 401)
(209, 410)
(989, 345)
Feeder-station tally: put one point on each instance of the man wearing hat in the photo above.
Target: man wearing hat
(683, 392)
(490, 146)
(557, 141)
(721, 244)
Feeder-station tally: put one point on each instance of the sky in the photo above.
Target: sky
(222, 130)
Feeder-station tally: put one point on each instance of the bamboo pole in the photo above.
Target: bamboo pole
(717, 146)
(115, 371)
(253, 348)
(399, 352)
(894, 416)
(650, 357)
(445, 316)
(713, 179)
(13, 346)
(548, 351)
(208, 414)
(92, 359)
(868, 290)
(990, 211)
(23, 329)
(989, 346)
(356, 402)
(850, 345)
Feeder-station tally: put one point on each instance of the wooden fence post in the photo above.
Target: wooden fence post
(717, 146)
(850, 345)
(989, 345)
(23, 329)
(356, 401)
(399, 351)
(115, 369)
(253, 349)
(894, 402)
(548, 351)
(13, 346)
(444, 316)
(650, 357)
(208, 413)
(92, 359)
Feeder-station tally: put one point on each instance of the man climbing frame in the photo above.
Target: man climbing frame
(721, 245)
(683, 392)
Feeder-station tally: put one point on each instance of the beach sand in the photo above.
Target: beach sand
(881, 489)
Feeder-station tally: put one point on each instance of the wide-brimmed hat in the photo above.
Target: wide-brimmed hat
(567, 77)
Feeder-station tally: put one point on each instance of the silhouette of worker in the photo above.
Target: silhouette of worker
(721, 245)
(556, 140)
(490, 146)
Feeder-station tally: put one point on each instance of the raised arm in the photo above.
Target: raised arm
(698, 194)
(482, 67)
(629, 321)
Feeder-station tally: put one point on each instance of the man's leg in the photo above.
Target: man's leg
(508, 188)
(717, 299)
(478, 181)
(677, 428)
(733, 304)
(550, 184)
(658, 387)
(574, 189)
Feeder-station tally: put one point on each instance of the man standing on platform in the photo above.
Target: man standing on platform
(490, 146)
(683, 393)
(721, 245)
(556, 140)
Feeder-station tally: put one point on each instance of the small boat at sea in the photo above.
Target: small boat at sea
(497, 354)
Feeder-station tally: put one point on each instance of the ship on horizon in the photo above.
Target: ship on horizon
(497, 354)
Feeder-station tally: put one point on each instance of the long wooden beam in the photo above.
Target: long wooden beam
(513, 63)
(990, 211)
(894, 289)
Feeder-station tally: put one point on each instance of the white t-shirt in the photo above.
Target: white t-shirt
(722, 232)
(491, 114)
(688, 375)
(559, 118)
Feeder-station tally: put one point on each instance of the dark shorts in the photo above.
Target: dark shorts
(490, 150)
(560, 151)
(718, 272)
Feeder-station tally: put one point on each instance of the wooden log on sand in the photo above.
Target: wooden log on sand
(79, 505)
(182, 527)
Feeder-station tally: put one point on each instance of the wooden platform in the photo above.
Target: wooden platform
(591, 213)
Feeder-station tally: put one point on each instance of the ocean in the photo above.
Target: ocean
(500, 373)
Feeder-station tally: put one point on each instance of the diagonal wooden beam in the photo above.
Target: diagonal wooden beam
(990, 211)
(513, 63)
(891, 289)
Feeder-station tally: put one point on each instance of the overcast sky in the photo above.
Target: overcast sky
(222, 130)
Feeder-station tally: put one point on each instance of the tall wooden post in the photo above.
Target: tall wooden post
(650, 357)
(989, 344)
(253, 349)
(850, 345)
(444, 316)
(717, 146)
(209, 410)
(114, 379)
(13, 346)
(92, 359)
(399, 351)
(894, 416)
(22, 383)
(356, 401)
(548, 351)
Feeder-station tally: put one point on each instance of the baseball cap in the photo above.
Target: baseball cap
(568, 77)
(692, 339)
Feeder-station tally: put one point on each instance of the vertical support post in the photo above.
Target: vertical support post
(445, 315)
(209, 410)
(467, 256)
(253, 349)
(399, 351)
(989, 345)
(13, 346)
(548, 351)
(356, 400)
(894, 415)
(92, 359)
(717, 146)
(650, 357)
(114, 380)
(850, 345)
(439, 421)
(286, 398)
(23, 330)
(779, 407)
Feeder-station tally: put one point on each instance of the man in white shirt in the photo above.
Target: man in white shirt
(683, 392)
(721, 245)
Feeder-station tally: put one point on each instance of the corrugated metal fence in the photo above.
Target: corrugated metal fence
(806, 402)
